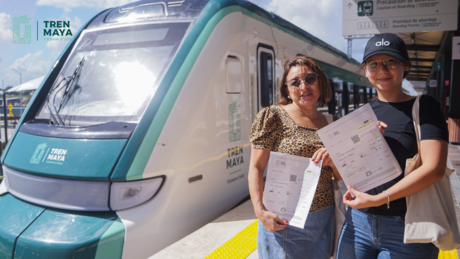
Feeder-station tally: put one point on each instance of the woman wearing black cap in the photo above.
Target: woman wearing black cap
(374, 226)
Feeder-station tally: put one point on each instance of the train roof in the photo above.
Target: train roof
(191, 9)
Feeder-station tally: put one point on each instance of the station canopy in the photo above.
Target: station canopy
(30, 85)
(424, 49)
(425, 26)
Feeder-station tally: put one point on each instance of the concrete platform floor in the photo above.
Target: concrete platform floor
(210, 237)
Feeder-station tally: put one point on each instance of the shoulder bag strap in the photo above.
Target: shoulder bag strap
(416, 120)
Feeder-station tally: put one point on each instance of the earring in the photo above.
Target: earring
(289, 97)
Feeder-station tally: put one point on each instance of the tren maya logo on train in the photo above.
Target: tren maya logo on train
(45, 154)
(45, 30)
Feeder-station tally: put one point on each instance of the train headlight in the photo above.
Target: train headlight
(125, 195)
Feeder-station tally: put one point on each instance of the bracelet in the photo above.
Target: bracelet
(388, 203)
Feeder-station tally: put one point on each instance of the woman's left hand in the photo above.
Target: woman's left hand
(359, 200)
(322, 154)
(382, 126)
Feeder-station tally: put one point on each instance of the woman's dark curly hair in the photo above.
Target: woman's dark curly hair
(323, 81)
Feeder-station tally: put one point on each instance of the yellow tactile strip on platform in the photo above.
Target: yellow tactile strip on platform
(448, 254)
(239, 246)
(245, 242)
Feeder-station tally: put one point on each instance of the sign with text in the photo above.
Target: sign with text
(433, 83)
(438, 66)
(395, 16)
(455, 48)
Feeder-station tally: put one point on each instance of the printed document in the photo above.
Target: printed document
(359, 151)
(290, 186)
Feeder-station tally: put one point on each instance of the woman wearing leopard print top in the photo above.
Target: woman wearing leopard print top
(290, 128)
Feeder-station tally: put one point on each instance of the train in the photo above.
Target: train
(139, 133)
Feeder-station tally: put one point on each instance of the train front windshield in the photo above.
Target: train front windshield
(112, 74)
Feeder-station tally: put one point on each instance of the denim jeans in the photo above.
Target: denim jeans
(314, 241)
(367, 236)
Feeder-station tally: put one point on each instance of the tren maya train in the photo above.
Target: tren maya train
(139, 133)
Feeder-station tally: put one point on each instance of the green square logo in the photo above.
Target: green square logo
(234, 122)
(22, 30)
(365, 8)
(38, 154)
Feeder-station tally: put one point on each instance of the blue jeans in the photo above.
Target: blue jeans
(313, 241)
(367, 236)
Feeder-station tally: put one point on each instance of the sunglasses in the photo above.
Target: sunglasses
(308, 79)
(390, 62)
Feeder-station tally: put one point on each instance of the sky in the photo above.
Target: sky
(321, 18)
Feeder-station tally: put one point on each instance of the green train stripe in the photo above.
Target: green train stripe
(111, 243)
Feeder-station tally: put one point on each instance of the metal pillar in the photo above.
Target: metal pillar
(20, 76)
(332, 103)
(365, 94)
(345, 98)
(356, 97)
(350, 48)
(4, 115)
(447, 76)
(4, 109)
(431, 91)
(20, 92)
(350, 38)
(4, 119)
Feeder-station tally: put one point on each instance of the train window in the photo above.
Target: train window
(112, 74)
(233, 75)
(136, 11)
(266, 79)
(131, 37)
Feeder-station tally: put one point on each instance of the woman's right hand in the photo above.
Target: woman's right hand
(271, 221)
(259, 158)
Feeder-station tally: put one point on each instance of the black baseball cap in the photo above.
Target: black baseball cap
(386, 43)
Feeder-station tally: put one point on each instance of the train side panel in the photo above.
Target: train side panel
(204, 148)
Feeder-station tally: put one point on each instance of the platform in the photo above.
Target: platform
(233, 234)
(207, 239)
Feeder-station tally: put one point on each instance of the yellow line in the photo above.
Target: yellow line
(239, 246)
(448, 254)
(245, 242)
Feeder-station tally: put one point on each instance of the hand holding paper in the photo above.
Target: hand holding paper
(359, 151)
(290, 187)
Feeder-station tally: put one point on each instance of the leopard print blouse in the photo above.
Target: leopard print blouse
(274, 129)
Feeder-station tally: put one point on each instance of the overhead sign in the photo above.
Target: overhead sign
(379, 16)
(455, 48)
(438, 66)
(433, 83)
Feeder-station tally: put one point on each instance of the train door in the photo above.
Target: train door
(265, 76)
